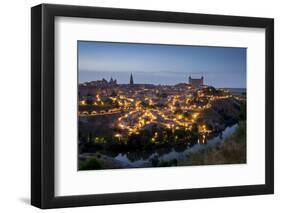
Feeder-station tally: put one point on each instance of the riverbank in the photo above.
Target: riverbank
(96, 161)
(231, 151)
(227, 148)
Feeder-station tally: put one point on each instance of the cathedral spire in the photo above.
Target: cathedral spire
(131, 79)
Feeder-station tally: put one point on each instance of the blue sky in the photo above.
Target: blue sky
(161, 64)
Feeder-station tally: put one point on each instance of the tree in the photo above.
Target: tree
(90, 164)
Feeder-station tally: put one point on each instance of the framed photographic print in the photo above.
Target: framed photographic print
(139, 106)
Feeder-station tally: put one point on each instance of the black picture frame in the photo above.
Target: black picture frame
(43, 111)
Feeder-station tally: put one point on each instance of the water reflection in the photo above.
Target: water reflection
(179, 152)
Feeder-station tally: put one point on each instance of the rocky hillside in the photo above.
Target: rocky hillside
(222, 113)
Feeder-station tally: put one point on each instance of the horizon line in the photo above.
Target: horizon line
(164, 84)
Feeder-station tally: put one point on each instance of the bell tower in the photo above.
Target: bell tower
(131, 79)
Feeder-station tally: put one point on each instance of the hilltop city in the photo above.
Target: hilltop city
(138, 116)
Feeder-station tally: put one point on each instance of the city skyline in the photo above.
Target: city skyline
(161, 64)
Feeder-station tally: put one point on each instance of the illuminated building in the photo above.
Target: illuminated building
(196, 82)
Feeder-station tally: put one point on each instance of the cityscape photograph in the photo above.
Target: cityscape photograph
(160, 105)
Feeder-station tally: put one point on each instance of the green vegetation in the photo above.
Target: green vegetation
(231, 151)
(155, 162)
(90, 164)
(147, 139)
(239, 135)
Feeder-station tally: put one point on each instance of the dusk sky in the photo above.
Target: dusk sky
(161, 64)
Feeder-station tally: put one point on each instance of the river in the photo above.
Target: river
(173, 153)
